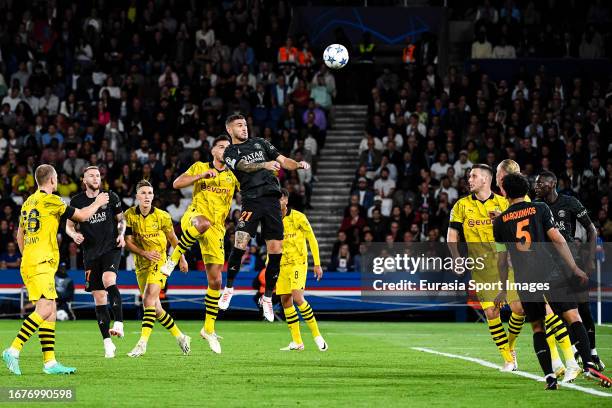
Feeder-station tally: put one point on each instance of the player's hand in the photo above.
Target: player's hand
(78, 238)
(589, 267)
(582, 277)
(208, 174)
(152, 256)
(318, 272)
(494, 214)
(102, 199)
(500, 299)
(183, 265)
(272, 166)
(120, 241)
(304, 165)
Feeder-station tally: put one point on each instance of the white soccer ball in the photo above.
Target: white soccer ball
(62, 316)
(336, 56)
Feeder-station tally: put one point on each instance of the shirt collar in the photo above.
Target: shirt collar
(139, 213)
(489, 198)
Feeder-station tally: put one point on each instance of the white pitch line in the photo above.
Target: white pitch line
(606, 325)
(519, 373)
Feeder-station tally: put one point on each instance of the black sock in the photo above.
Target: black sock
(272, 272)
(540, 346)
(114, 299)
(103, 320)
(582, 342)
(587, 320)
(233, 265)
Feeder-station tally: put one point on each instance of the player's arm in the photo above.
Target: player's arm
(171, 236)
(563, 249)
(121, 225)
(83, 214)
(20, 240)
(131, 245)
(290, 164)
(253, 167)
(314, 249)
(186, 179)
(583, 218)
(454, 227)
(76, 236)
(503, 268)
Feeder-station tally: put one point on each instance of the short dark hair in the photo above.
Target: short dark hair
(549, 174)
(143, 183)
(483, 167)
(221, 138)
(284, 192)
(515, 185)
(233, 117)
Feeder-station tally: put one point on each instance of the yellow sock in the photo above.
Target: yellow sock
(28, 328)
(514, 329)
(293, 321)
(168, 322)
(500, 338)
(148, 321)
(550, 337)
(46, 336)
(556, 331)
(308, 316)
(211, 300)
(186, 241)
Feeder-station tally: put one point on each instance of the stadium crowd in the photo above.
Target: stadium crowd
(140, 89)
(425, 130)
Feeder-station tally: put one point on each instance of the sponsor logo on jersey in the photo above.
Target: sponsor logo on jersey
(257, 146)
(97, 218)
(253, 157)
(561, 213)
(479, 223)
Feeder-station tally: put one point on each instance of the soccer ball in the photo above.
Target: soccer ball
(336, 56)
(62, 315)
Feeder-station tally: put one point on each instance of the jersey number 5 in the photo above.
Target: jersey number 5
(522, 231)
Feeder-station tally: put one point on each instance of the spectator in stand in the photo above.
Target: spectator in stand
(343, 262)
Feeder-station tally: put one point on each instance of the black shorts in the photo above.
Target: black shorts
(559, 303)
(94, 269)
(266, 210)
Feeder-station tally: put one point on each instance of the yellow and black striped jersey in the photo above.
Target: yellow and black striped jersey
(39, 219)
(213, 197)
(148, 232)
(297, 232)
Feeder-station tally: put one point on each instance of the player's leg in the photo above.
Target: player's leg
(283, 289)
(148, 318)
(42, 311)
(293, 323)
(498, 334)
(103, 317)
(193, 227)
(211, 301)
(515, 324)
(109, 279)
(309, 318)
(570, 314)
(584, 309)
(556, 333)
(241, 241)
(540, 346)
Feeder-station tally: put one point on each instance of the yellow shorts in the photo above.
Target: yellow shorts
(486, 297)
(291, 277)
(39, 280)
(211, 243)
(150, 275)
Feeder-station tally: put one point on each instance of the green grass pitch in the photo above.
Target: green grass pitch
(368, 364)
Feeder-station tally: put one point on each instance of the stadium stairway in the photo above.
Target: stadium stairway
(336, 168)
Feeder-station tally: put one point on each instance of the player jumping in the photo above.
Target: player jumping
(147, 234)
(254, 161)
(292, 278)
(204, 222)
(37, 241)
